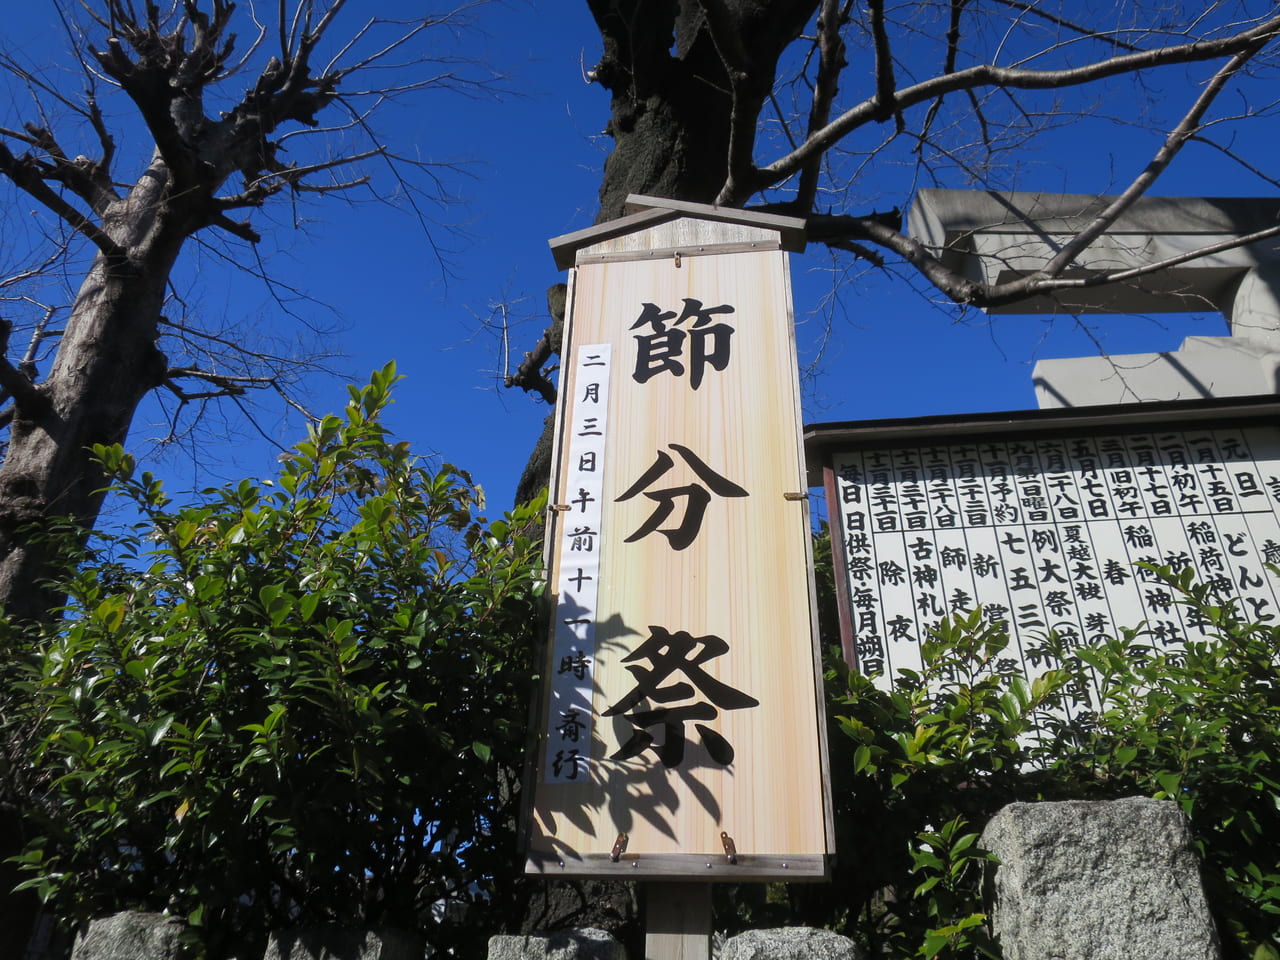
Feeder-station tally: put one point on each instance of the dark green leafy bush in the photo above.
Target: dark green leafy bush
(918, 770)
(934, 758)
(303, 701)
(298, 701)
(1198, 725)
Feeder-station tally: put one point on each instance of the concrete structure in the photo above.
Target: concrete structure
(997, 237)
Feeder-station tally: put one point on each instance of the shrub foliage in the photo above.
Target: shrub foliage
(298, 701)
(919, 769)
(303, 701)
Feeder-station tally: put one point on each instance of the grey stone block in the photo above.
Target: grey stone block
(341, 943)
(790, 943)
(585, 944)
(1113, 880)
(130, 936)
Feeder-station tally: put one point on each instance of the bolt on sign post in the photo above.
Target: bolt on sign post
(680, 725)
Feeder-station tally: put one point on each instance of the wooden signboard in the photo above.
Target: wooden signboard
(681, 724)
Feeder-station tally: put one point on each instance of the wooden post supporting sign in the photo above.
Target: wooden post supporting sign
(677, 921)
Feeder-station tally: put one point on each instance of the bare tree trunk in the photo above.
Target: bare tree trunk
(684, 76)
(106, 363)
(674, 112)
(669, 114)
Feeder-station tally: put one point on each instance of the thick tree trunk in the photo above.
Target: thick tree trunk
(681, 82)
(673, 109)
(106, 362)
(670, 128)
(669, 112)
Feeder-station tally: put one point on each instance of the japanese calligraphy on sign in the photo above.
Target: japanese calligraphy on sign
(681, 684)
(1051, 534)
(573, 647)
(569, 722)
(662, 349)
(667, 654)
(696, 497)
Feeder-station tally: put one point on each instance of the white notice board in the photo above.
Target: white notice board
(1046, 533)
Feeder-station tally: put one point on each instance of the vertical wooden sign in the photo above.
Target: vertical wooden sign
(681, 725)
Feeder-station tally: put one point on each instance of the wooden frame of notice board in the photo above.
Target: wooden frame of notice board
(1045, 519)
(679, 733)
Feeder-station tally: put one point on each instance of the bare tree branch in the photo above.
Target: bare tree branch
(278, 176)
(831, 62)
(27, 365)
(1033, 9)
(15, 383)
(1103, 278)
(1177, 138)
(225, 385)
(948, 66)
(24, 175)
(530, 375)
(1235, 157)
(989, 75)
(885, 83)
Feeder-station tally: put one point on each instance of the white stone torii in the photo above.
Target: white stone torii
(995, 237)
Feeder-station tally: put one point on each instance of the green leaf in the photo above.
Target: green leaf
(1170, 784)
(258, 804)
(158, 730)
(110, 613)
(307, 606)
(861, 758)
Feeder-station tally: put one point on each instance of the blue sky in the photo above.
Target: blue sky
(529, 169)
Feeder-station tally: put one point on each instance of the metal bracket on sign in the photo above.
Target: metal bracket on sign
(730, 851)
(619, 848)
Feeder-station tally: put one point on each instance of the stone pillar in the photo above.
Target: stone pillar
(790, 943)
(1254, 314)
(584, 944)
(130, 936)
(343, 943)
(1084, 880)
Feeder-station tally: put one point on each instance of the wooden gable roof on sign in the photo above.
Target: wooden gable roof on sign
(657, 227)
